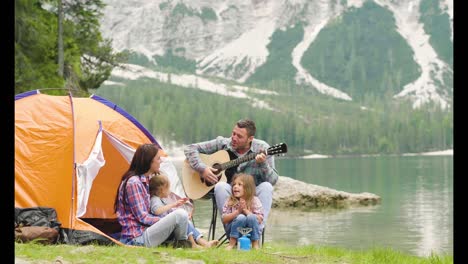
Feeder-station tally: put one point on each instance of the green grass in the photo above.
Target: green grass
(270, 253)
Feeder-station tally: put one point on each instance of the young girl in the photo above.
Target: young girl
(163, 201)
(242, 209)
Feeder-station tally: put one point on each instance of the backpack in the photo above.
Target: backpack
(41, 234)
(36, 224)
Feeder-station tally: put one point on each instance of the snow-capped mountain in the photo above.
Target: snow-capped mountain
(231, 39)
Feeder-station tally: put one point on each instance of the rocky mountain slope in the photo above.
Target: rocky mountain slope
(234, 39)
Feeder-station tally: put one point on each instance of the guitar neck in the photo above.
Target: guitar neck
(238, 161)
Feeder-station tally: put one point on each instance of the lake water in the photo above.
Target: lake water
(415, 215)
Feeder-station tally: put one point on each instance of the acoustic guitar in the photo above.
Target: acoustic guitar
(195, 185)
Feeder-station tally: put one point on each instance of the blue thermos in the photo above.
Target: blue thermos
(243, 243)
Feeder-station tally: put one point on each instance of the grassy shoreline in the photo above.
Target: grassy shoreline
(270, 253)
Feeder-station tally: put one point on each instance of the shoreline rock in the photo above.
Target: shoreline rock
(289, 193)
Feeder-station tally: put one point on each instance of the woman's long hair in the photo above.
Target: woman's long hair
(249, 189)
(141, 163)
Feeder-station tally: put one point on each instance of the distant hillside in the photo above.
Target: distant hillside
(308, 123)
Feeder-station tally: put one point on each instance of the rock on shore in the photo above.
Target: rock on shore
(289, 193)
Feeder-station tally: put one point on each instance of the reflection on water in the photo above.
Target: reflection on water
(306, 228)
(428, 212)
(415, 215)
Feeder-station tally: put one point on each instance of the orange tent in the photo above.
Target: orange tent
(70, 154)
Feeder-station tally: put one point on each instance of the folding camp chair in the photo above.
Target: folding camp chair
(214, 214)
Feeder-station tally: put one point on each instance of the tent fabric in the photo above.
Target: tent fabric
(70, 154)
(125, 150)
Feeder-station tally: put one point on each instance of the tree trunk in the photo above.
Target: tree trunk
(60, 38)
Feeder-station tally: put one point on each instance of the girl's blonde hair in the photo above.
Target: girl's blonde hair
(249, 189)
(158, 184)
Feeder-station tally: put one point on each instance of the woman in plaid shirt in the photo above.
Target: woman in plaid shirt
(132, 205)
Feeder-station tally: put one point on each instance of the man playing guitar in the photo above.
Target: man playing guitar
(240, 144)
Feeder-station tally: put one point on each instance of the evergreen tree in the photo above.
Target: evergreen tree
(88, 59)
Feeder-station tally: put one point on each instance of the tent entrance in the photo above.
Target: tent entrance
(99, 206)
(110, 227)
(101, 177)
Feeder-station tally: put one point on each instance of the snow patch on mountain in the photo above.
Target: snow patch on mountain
(303, 76)
(423, 89)
(134, 72)
(247, 52)
(355, 3)
(320, 15)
